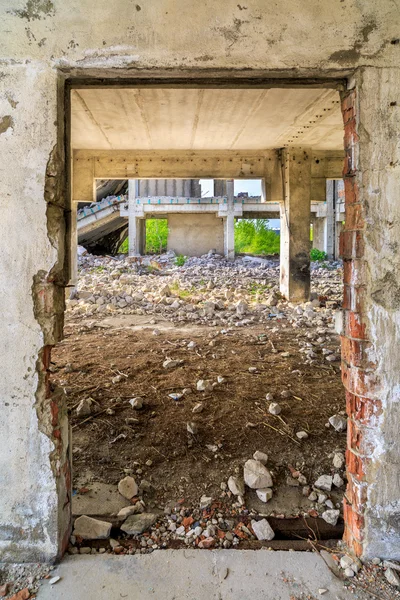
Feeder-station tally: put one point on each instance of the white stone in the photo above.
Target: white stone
(204, 385)
(136, 403)
(331, 516)
(127, 487)
(263, 530)
(337, 480)
(236, 486)
(302, 435)
(170, 364)
(261, 457)
(392, 577)
(349, 572)
(130, 510)
(205, 501)
(338, 422)
(54, 580)
(264, 494)
(256, 475)
(84, 408)
(274, 408)
(338, 460)
(198, 408)
(91, 529)
(324, 483)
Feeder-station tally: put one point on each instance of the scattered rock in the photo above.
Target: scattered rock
(338, 422)
(337, 481)
(136, 403)
(84, 408)
(128, 488)
(136, 524)
(236, 486)
(91, 529)
(264, 494)
(198, 408)
(338, 460)
(331, 516)
(263, 530)
(324, 483)
(261, 457)
(204, 385)
(392, 577)
(302, 435)
(256, 475)
(274, 408)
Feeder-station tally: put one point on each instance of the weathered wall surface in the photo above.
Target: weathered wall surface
(46, 40)
(194, 235)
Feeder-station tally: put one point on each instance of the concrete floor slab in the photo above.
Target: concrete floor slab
(194, 574)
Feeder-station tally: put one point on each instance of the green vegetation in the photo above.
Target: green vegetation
(156, 237)
(253, 236)
(180, 260)
(318, 255)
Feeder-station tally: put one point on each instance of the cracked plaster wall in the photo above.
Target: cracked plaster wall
(40, 40)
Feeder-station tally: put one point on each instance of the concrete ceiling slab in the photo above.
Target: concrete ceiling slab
(205, 119)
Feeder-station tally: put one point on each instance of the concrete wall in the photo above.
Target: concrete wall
(194, 235)
(45, 43)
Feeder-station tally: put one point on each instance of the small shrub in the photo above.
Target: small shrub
(253, 236)
(318, 255)
(180, 260)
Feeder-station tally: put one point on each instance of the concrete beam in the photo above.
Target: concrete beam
(295, 225)
(130, 164)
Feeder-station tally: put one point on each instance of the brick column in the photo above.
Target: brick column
(371, 311)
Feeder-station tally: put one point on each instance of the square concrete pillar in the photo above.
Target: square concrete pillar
(319, 233)
(229, 223)
(136, 225)
(295, 225)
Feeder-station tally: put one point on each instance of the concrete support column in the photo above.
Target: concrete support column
(229, 225)
(319, 233)
(330, 218)
(136, 225)
(219, 187)
(295, 225)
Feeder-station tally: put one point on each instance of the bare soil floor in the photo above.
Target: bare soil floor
(154, 444)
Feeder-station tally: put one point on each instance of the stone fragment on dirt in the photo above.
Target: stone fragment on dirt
(264, 494)
(136, 524)
(256, 475)
(338, 460)
(198, 408)
(128, 487)
(331, 516)
(170, 364)
(130, 510)
(263, 530)
(261, 457)
(324, 483)
(392, 577)
(274, 408)
(84, 408)
(338, 422)
(88, 528)
(236, 485)
(204, 385)
(302, 435)
(136, 403)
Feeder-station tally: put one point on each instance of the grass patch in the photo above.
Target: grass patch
(253, 236)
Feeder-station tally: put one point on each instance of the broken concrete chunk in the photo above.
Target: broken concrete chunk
(170, 364)
(337, 480)
(84, 408)
(236, 486)
(392, 577)
(264, 494)
(324, 483)
(338, 460)
(128, 488)
(331, 516)
(261, 457)
(204, 385)
(338, 422)
(136, 524)
(256, 475)
(124, 513)
(91, 529)
(263, 530)
(136, 403)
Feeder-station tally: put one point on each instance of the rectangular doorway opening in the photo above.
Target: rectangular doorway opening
(203, 398)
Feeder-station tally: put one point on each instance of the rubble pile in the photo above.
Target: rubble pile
(207, 290)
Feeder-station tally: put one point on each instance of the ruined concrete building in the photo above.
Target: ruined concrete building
(183, 90)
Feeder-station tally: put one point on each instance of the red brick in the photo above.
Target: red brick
(362, 409)
(354, 271)
(360, 382)
(351, 190)
(354, 217)
(354, 298)
(357, 439)
(350, 133)
(352, 543)
(356, 493)
(349, 106)
(354, 325)
(354, 521)
(351, 243)
(354, 352)
(356, 465)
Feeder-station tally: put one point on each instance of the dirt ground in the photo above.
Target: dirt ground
(153, 443)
